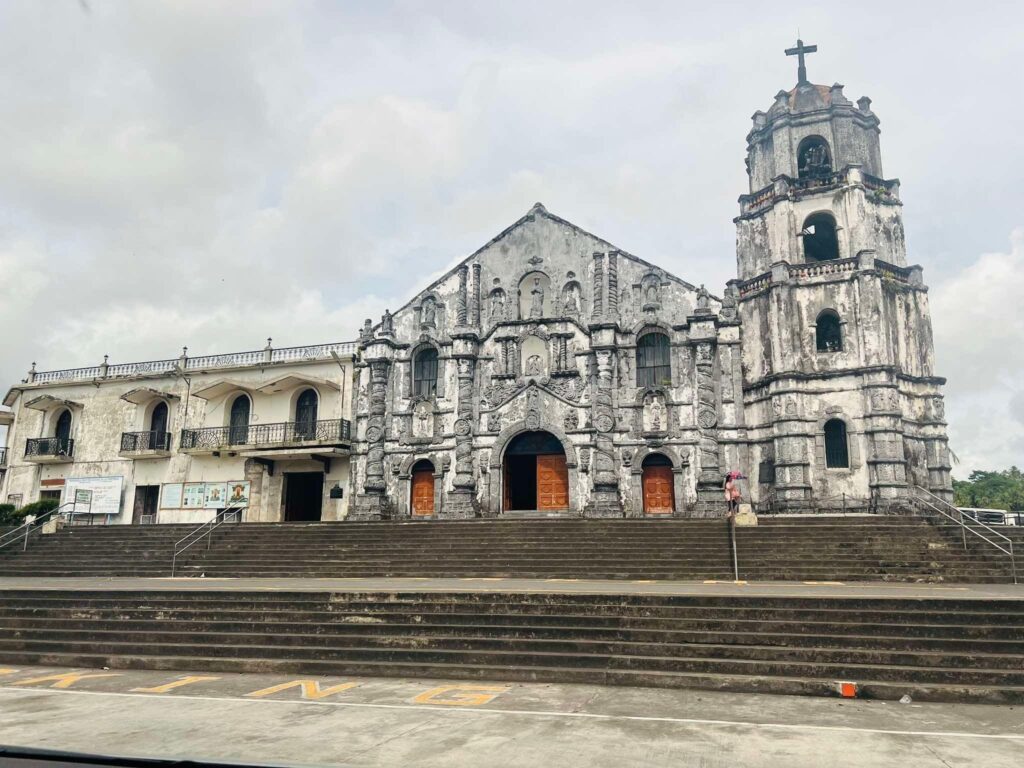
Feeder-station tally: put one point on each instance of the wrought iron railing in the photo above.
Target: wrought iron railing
(282, 433)
(134, 442)
(49, 446)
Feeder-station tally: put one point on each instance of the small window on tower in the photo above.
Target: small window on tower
(837, 452)
(814, 160)
(820, 240)
(829, 332)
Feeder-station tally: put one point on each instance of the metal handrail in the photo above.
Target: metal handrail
(965, 527)
(26, 528)
(206, 529)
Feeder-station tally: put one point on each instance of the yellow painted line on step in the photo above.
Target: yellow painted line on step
(311, 690)
(643, 581)
(825, 583)
(568, 580)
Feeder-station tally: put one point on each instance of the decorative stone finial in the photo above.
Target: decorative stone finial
(864, 105)
(270, 343)
(538, 208)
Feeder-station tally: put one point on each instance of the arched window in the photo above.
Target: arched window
(62, 427)
(305, 414)
(238, 434)
(158, 418)
(159, 439)
(813, 158)
(828, 332)
(837, 452)
(820, 240)
(652, 361)
(424, 373)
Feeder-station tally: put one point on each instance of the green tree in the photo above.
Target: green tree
(995, 490)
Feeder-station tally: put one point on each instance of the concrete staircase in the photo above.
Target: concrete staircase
(933, 649)
(800, 548)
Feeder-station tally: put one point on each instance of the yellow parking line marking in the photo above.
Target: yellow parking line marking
(187, 680)
(311, 690)
(64, 679)
(461, 695)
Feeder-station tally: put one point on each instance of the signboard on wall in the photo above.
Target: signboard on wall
(204, 495)
(106, 493)
(170, 495)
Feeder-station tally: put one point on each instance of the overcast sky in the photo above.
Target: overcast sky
(213, 173)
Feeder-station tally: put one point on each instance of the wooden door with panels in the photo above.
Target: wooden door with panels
(423, 489)
(658, 486)
(552, 483)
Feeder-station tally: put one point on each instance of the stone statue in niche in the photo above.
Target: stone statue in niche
(571, 300)
(654, 413)
(534, 366)
(497, 304)
(536, 299)
(387, 324)
(651, 294)
(494, 422)
(423, 420)
(428, 317)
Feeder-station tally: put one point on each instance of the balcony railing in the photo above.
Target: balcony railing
(136, 442)
(261, 357)
(36, 447)
(282, 433)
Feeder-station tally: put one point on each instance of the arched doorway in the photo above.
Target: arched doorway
(535, 474)
(422, 489)
(658, 485)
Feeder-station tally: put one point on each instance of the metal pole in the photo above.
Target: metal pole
(963, 529)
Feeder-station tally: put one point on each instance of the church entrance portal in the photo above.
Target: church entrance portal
(303, 496)
(658, 485)
(422, 489)
(535, 474)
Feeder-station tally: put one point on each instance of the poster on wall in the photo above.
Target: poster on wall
(238, 492)
(194, 496)
(106, 493)
(215, 495)
(204, 495)
(170, 495)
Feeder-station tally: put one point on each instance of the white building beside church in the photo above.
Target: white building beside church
(172, 440)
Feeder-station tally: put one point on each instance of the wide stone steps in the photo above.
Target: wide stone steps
(932, 649)
(843, 548)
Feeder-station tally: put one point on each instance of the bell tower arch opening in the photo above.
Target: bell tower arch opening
(534, 474)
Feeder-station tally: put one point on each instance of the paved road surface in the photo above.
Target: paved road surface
(427, 723)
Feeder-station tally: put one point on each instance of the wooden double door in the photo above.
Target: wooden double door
(659, 492)
(536, 483)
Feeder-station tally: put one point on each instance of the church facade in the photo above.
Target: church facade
(551, 372)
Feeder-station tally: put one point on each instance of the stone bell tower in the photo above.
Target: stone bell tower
(838, 354)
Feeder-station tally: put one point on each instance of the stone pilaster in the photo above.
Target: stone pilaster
(709, 481)
(604, 496)
(372, 503)
(883, 430)
(613, 286)
(462, 502)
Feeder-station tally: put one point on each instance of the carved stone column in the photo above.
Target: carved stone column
(462, 501)
(461, 300)
(604, 496)
(475, 303)
(598, 303)
(709, 481)
(372, 503)
(613, 286)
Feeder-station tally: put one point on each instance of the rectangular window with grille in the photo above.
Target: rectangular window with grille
(653, 368)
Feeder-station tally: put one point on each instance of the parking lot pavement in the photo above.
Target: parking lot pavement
(387, 722)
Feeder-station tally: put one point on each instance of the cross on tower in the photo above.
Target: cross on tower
(799, 52)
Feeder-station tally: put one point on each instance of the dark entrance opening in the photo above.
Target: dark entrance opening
(303, 496)
(535, 474)
(147, 498)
